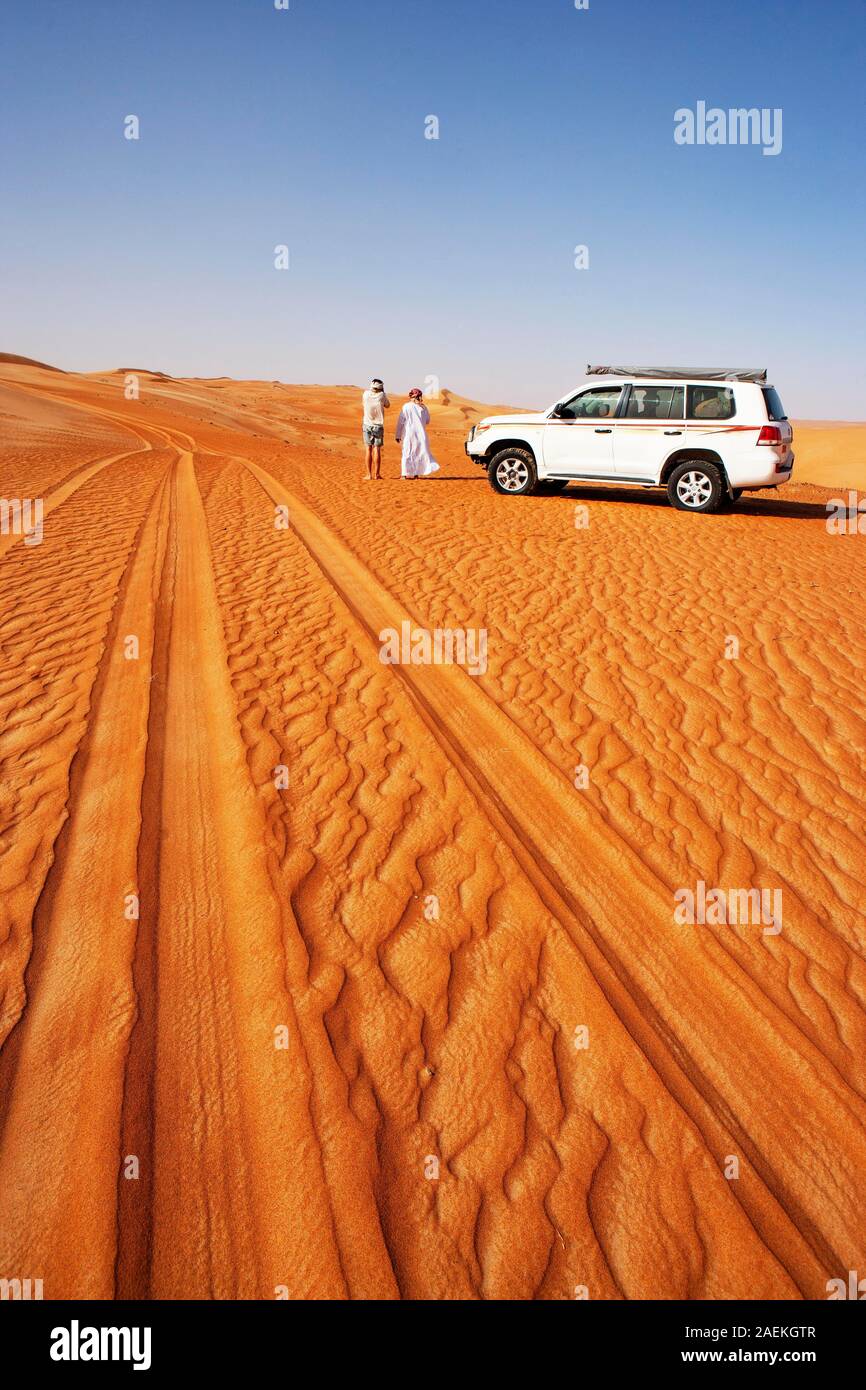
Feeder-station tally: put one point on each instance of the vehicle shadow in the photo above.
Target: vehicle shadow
(478, 477)
(747, 506)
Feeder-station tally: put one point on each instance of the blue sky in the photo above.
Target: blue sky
(452, 258)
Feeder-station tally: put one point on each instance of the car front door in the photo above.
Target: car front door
(578, 437)
(649, 429)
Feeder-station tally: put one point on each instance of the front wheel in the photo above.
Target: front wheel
(695, 486)
(512, 471)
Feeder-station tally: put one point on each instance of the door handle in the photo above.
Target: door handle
(599, 431)
(673, 431)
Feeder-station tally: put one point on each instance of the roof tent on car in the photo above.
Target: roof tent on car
(758, 374)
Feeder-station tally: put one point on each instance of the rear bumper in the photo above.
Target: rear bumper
(783, 475)
(776, 469)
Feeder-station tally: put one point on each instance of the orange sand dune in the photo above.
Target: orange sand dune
(831, 454)
(323, 977)
(13, 359)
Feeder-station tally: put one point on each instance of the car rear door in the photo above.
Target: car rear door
(650, 426)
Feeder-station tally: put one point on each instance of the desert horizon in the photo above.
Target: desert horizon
(830, 453)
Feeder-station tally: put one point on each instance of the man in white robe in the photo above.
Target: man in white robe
(412, 422)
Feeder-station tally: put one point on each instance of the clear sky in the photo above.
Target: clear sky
(452, 258)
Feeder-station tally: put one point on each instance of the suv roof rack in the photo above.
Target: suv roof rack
(758, 374)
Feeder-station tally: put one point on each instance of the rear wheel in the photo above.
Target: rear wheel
(512, 471)
(695, 486)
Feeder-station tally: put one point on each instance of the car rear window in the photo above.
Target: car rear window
(775, 409)
(655, 403)
(710, 403)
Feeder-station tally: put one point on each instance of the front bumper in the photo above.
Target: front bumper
(475, 457)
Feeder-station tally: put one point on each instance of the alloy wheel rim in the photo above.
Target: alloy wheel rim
(694, 489)
(512, 474)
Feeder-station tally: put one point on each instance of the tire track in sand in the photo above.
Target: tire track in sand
(62, 1066)
(449, 1035)
(57, 602)
(616, 904)
(232, 1151)
(217, 1116)
(60, 494)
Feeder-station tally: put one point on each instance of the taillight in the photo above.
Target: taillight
(770, 434)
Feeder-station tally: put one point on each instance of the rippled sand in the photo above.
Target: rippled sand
(404, 1011)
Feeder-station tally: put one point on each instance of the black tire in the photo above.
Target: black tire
(512, 472)
(552, 485)
(695, 486)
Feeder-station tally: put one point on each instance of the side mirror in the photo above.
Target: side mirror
(558, 412)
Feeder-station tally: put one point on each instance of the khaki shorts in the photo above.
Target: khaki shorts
(374, 434)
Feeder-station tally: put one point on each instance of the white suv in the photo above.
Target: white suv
(705, 435)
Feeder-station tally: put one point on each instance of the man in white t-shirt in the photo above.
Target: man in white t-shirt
(375, 405)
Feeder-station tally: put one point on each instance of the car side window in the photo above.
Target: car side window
(710, 403)
(598, 404)
(655, 403)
